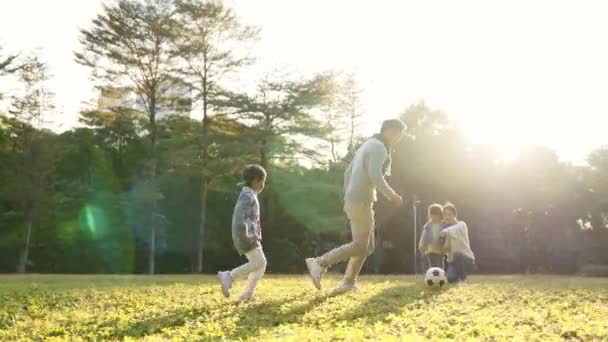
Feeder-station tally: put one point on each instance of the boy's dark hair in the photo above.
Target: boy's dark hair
(252, 173)
(435, 210)
(392, 124)
(450, 207)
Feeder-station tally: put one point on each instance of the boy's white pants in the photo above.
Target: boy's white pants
(254, 269)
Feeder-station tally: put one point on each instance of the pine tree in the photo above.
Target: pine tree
(33, 162)
(211, 45)
(129, 43)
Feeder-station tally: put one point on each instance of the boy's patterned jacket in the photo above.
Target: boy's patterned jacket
(246, 228)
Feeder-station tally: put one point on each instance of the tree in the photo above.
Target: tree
(281, 113)
(129, 43)
(119, 132)
(211, 44)
(350, 104)
(227, 151)
(342, 115)
(9, 65)
(31, 176)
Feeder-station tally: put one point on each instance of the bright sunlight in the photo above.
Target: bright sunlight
(508, 79)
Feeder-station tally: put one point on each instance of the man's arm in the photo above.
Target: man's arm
(375, 162)
(347, 175)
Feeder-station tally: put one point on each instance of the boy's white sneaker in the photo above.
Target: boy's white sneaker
(226, 282)
(315, 270)
(343, 288)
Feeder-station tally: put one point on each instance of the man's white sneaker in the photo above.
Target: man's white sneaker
(315, 270)
(226, 282)
(344, 288)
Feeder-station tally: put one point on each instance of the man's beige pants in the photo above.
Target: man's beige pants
(361, 217)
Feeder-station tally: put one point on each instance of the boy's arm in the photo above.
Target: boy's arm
(247, 217)
(258, 230)
(375, 162)
(452, 229)
(421, 245)
(445, 244)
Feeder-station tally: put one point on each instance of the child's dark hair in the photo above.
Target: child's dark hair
(392, 124)
(252, 173)
(450, 207)
(435, 210)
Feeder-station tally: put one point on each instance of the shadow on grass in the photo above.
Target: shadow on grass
(268, 314)
(251, 319)
(156, 324)
(258, 316)
(391, 300)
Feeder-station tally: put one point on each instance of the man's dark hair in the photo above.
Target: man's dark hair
(252, 173)
(450, 207)
(392, 124)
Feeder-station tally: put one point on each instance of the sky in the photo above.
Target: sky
(511, 72)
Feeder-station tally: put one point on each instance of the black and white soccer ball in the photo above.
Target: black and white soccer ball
(435, 278)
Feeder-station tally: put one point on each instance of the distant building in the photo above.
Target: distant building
(116, 97)
(175, 100)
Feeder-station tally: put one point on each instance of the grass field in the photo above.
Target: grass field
(386, 308)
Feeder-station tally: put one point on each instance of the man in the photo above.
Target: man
(364, 176)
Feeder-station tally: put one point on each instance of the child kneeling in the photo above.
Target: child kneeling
(461, 260)
(247, 234)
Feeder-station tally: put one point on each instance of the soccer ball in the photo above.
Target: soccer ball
(435, 277)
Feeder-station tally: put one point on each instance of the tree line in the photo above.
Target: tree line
(129, 191)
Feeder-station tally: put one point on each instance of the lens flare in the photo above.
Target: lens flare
(93, 219)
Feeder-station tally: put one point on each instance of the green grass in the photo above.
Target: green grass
(386, 308)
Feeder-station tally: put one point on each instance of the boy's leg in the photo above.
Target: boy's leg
(460, 267)
(258, 260)
(429, 263)
(435, 260)
(454, 271)
(251, 265)
(468, 267)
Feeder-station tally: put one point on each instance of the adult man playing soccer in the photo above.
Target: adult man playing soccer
(363, 177)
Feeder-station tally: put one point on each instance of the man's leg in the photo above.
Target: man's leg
(355, 263)
(361, 224)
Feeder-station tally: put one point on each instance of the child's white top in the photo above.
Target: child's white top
(457, 241)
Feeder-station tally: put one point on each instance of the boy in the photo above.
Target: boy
(429, 240)
(247, 234)
(461, 260)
